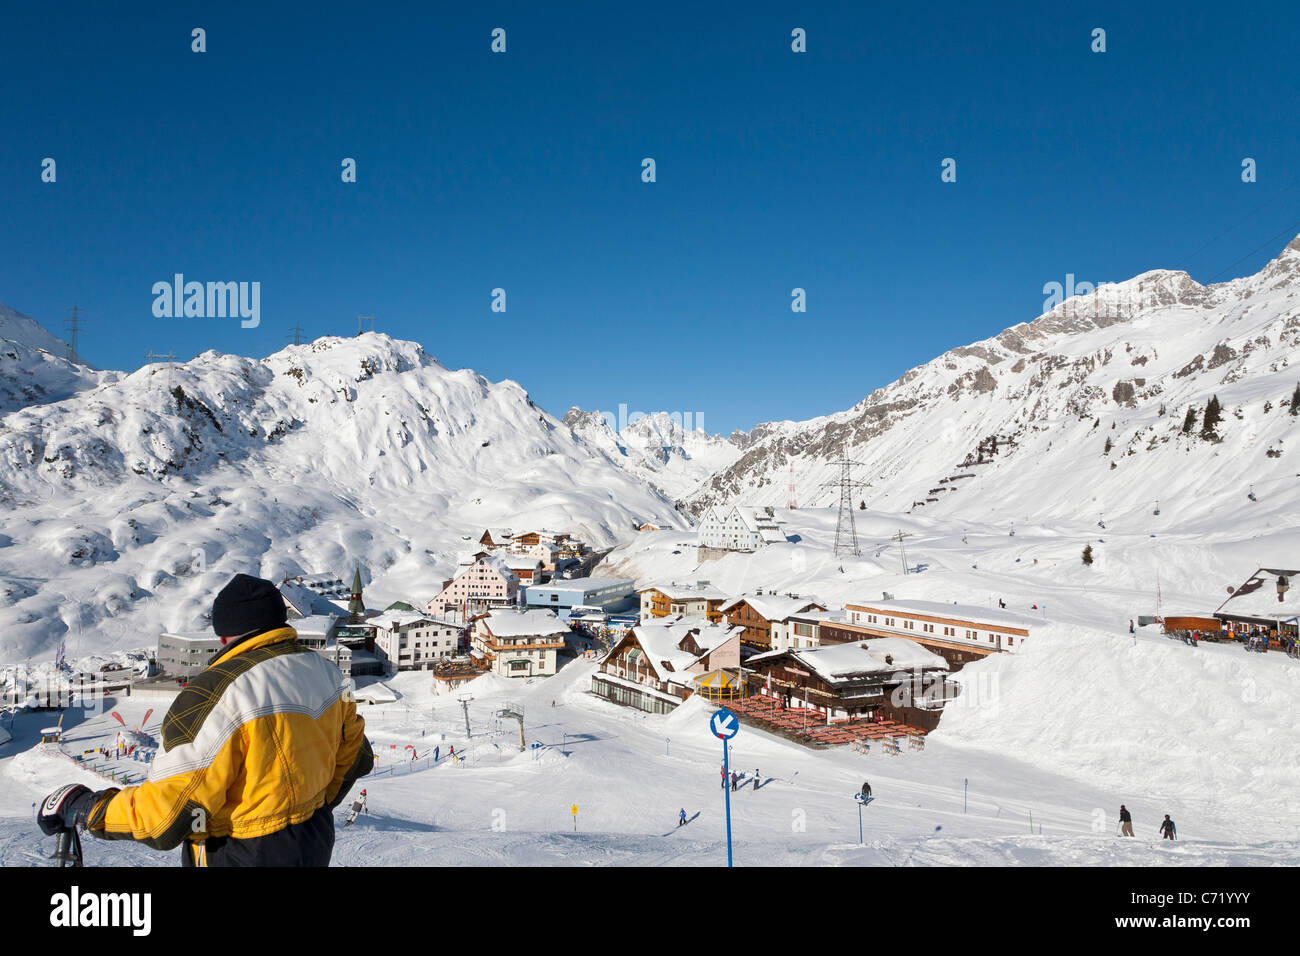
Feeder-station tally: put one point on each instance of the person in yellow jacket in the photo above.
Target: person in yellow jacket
(257, 751)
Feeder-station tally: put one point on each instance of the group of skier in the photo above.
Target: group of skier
(735, 779)
(1168, 830)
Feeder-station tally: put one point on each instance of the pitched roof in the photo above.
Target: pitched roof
(661, 639)
(837, 663)
(685, 592)
(511, 622)
(975, 613)
(774, 607)
(1257, 596)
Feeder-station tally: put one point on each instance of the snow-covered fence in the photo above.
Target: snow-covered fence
(403, 767)
(85, 762)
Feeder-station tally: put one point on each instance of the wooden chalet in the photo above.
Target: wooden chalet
(885, 678)
(655, 666)
(755, 613)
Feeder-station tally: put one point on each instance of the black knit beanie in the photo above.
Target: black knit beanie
(247, 605)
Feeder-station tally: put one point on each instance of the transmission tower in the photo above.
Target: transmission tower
(899, 538)
(155, 357)
(846, 531)
(793, 501)
(365, 318)
(73, 325)
(297, 334)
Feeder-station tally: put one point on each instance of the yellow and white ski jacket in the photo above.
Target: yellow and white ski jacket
(258, 742)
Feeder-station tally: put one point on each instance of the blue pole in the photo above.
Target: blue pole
(726, 793)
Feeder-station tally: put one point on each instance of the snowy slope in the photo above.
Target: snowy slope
(1015, 427)
(128, 506)
(33, 369)
(657, 449)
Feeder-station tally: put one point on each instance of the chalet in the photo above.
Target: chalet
(1263, 604)
(519, 643)
(756, 612)
(528, 568)
(739, 528)
(487, 582)
(651, 526)
(494, 538)
(888, 677)
(411, 641)
(692, 600)
(655, 666)
(530, 539)
(960, 633)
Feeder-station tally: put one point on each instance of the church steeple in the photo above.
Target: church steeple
(356, 607)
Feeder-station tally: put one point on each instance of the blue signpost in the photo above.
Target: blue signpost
(724, 726)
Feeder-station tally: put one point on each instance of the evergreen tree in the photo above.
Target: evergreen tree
(1212, 418)
(1190, 421)
(1087, 554)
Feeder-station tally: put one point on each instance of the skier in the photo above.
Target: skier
(756, 778)
(257, 751)
(1131, 628)
(723, 771)
(866, 790)
(735, 778)
(435, 753)
(451, 752)
(358, 808)
(681, 817)
(1001, 603)
(1126, 821)
(1168, 829)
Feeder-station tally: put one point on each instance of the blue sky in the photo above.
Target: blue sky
(522, 171)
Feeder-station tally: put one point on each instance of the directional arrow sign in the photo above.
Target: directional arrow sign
(724, 724)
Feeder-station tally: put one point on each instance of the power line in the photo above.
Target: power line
(1288, 230)
(73, 325)
(846, 530)
(365, 318)
(297, 334)
(155, 357)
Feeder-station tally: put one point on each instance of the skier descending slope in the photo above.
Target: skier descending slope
(256, 752)
(1168, 829)
(1125, 821)
(358, 808)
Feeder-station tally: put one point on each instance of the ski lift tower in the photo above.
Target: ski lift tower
(464, 703)
(846, 531)
(514, 711)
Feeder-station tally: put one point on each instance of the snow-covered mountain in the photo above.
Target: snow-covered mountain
(33, 366)
(1077, 414)
(126, 507)
(657, 449)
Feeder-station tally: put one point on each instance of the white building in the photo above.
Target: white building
(486, 582)
(520, 643)
(803, 630)
(410, 641)
(740, 528)
(957, 626)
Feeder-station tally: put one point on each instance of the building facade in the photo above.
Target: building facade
(514, 642)
(700, 600)
(485, 583)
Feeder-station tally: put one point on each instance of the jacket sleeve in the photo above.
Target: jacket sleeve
(355, 758)
(161, 813)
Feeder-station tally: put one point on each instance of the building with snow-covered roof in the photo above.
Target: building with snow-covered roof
(755, 613)
(485, 583)
(960, 632)
(803, 629)
(518, 642)
(527, 567)
(700, 599)
(739, 528)
(411, 641)
(656, 665)
(494, 538)
(1263, 603)
(887, 677)
(562, 596)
